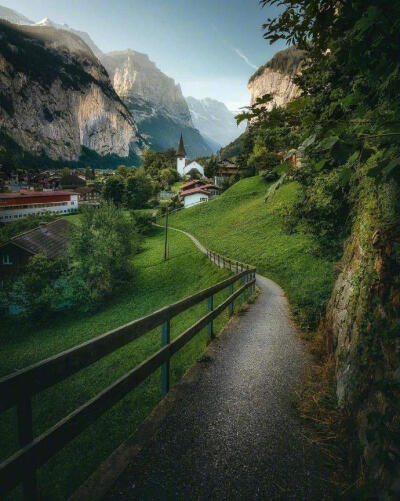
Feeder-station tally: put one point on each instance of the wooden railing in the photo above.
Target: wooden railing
(17, 389)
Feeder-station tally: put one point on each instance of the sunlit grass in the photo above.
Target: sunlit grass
(241, 225)
(156, 283)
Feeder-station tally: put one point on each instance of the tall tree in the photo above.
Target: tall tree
(114, 190)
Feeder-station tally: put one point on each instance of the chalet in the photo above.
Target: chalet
(197, 191)
(18, 205)
(226, 169)
(184, 169)
(195, 196)
(88, 194)
(49, 239)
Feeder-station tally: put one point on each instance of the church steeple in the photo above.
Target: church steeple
(181, 152)
(181, 158)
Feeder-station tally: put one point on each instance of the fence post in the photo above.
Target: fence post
(165, 339)
(210, 326)
(231, 306)
(25, 436)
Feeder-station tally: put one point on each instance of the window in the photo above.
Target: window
(7, 259)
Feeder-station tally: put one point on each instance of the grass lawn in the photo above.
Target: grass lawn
(241, 225)
(155, 284)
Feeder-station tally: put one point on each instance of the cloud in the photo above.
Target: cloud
(245, 58)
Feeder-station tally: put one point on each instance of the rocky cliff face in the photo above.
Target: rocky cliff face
(276, 78)
(56, 97)
(363, 329)
(214, 121)
(155, 101)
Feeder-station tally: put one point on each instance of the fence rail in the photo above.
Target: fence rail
(17, 389)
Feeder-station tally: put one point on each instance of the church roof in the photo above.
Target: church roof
(181, 148)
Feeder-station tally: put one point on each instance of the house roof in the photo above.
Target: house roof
(49, 239)
(211, 187)
(181, 148)
(86, 189)
(227, 163)
(36, 194)
(195, 190)
(191, 183)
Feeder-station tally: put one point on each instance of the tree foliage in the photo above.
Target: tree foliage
(37, 292)
(101, 246)
(347, 118)
(139, 189)
(114, 190)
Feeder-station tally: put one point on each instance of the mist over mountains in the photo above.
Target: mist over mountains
(213, 119)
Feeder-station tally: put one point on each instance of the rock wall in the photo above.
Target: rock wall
(134, 75)
(55, 96)
(155, 101)
(276, 78)
(363, 326)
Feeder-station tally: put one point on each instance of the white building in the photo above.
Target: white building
(182, 168)
(14, 206)
(195, 196)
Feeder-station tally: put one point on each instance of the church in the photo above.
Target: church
(181, 166)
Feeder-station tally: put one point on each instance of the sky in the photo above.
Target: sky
(209, 47)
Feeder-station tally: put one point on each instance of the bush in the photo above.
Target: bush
(38, 292)
(269, 176)
(102, 244)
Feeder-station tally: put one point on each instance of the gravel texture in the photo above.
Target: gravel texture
(234, 433)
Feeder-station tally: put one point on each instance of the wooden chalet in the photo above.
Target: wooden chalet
(49, 239)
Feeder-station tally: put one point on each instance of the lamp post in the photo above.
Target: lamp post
(166, 234)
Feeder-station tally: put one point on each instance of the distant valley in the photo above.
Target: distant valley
(215, 122)
(158, 109)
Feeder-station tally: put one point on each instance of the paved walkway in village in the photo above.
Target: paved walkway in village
(233, 432)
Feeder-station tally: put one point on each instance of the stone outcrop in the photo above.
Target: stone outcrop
(56, 97)
(363, 328)
(276, 78)
(155, 101)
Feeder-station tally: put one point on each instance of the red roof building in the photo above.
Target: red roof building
(18, 205)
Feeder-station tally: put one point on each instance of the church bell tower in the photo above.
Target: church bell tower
(181, 157)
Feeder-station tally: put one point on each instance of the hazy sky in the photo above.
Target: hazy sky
(211, 47)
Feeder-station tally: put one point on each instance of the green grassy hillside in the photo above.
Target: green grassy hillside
(156, 284)
(239, 224)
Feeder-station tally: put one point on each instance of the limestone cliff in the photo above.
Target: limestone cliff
(56, 97)
(276, 78)
(155, 101)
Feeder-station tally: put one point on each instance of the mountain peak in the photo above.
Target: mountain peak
(213, 119)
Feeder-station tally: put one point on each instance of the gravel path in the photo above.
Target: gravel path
(233, 433)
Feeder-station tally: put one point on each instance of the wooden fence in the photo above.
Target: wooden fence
(17, 389)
